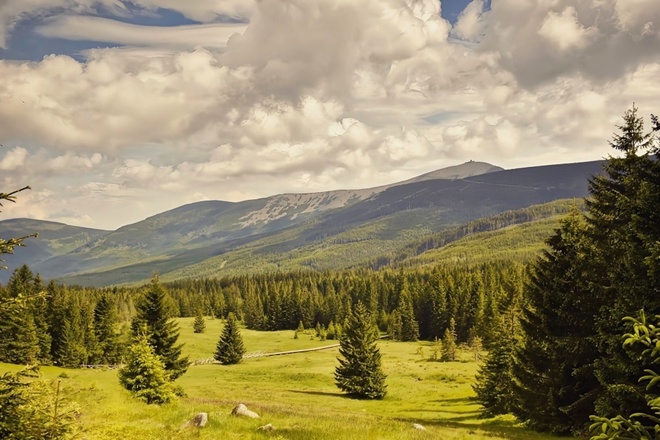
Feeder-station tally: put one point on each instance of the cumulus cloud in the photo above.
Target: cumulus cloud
(539, 41)
(471, 23)
(311, 96)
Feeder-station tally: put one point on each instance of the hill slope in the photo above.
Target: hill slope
(54, 239)
(327, 230)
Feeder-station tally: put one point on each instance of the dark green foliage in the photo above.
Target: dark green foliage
(493, 381)
(199, 325)
(626, 227)
(154, 320)
(598, 269)
(254, 312)
(643, 425)
(33, 409)
(554, 367)
(105, 330)
(144, 374)
(359, 372)
(18, 335)
(408, 327)
(230, 348)
(72, 352)
(24, 332)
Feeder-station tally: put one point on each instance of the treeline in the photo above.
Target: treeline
(66, 326)
(72, 326)
(473, 296)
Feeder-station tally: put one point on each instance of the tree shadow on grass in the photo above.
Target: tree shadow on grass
(321, 393)
(456, 401)
(501, 428)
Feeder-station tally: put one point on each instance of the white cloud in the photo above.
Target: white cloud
(204, 10)
(14, 159)
(13, 11)
(116, 32)
(470, 25)
(565, 31)
(539, 41)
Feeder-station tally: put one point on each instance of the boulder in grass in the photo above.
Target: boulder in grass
(242, 411)
(269, 427)
(199, 421)
(419, 427)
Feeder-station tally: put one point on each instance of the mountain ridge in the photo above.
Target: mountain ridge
(381, 217)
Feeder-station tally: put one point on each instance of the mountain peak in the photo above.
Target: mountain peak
(467, 169)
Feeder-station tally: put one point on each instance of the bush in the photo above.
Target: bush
(145, 376)
(33, 409)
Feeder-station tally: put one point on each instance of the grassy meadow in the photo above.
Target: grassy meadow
(295, 393)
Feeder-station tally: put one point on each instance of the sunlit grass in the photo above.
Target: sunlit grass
(296, 393)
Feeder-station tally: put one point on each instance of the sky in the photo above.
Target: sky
(116, 110)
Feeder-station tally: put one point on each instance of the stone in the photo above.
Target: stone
(419, 427)
(242, 411)
(268, 427)
(199, 421)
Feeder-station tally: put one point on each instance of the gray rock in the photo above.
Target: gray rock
(419, 427)
(242, 411)
(268, 427)
(199, 421)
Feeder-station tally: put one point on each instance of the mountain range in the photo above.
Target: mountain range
(325, 230)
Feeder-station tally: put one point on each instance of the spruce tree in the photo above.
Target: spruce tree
(230, 348)
(71, 348)
(449, 342)
(199, 325)
(493, 382)
(144, 374)
(359, 372)
(409, 324)
(153, 319)
(105, 329)
(623, 213)
(553, 370)
(33, 409)
(597, 270)
(18, 335)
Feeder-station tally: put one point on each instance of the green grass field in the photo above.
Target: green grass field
(296, 393)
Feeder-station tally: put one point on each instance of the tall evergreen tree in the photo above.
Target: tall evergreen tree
(230, 348)
(623, 211)
(71, 347)
(105, 330)
(409, 324)
(359, 372)
(494, 378)
(554, 383)
(153, 319)
(18, 335)
(596, 272)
